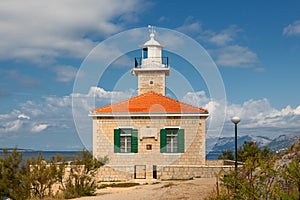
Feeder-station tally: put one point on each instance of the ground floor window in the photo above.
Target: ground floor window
(172, 140)
(125, 140)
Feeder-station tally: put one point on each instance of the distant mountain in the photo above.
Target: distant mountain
(278, 143)
(283, 141)
(225, 143)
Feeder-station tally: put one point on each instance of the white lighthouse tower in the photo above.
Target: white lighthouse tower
(151, 68)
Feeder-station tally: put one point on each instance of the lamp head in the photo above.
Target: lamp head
(235, 120)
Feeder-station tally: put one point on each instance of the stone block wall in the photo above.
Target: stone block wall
(116, 173)
(151, 81)
(170, 172)
(187, 172)
(194, 128)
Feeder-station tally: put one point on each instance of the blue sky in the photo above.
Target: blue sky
(255, 44)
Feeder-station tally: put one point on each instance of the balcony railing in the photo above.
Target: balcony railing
(164, 61)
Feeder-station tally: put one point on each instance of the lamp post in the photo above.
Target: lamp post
(235, 120)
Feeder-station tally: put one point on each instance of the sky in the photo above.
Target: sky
(43, 44)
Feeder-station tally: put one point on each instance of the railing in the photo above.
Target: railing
(164, 61)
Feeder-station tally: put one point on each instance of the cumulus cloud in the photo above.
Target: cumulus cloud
(196, 98)
(45, 30)
(235, 56)
(23, 116)
(65, 74)
(56, 112)
(258, 116)
(190, 26)
(223, 44)
(163, 19)
(292, 29)
(39, 127)
(98, 97)
(224, 37)
(13, 121)
(10, 126)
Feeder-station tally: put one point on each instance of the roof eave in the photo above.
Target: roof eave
(192, 114)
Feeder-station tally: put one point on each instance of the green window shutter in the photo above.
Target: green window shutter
(163, 140)
(180, 140)
(134, 141)
(117, 140)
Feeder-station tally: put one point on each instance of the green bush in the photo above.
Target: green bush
(35, 178)
(263, 175)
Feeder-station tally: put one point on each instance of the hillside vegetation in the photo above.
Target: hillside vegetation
(263, 175)
(40, 179)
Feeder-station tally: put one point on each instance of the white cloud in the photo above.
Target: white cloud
(13, 121)
(56, 112)
(23, 116)
(292, 29)
(45, 30)
(163, 19)
(257, 116)
(10, 126)
(190, 26)
(65, 73)
(196, 98)
(235, 56)
(226, 51)
(39, 127)
(99, 97)
(224, 37)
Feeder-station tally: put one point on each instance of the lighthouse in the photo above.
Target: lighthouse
(151, 68)
(150, 136)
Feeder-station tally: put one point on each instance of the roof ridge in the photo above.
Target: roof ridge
(171, 99)
(143, 104)
(107, 106)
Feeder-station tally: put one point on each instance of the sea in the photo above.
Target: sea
(68, 155)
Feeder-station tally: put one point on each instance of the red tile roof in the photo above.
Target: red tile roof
(150, 103)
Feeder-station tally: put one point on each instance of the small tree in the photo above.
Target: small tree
(36, 177)
(43, 175)
(14, 182)
(81, 179)
(226, 155)
(264, 175)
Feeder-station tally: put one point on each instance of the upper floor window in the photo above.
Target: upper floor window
(145, 52)
(125, 140)
(172, 140)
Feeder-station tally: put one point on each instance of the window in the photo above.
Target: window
(145, 53)
(172, 140)
(125, 140)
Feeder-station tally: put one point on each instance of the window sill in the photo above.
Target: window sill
(126, 154)
(173, 154)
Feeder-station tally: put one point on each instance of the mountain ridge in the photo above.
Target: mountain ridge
(277, 144)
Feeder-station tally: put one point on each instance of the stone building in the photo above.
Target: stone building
(150, 135)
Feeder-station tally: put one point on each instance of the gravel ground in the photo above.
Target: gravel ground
(165, 190)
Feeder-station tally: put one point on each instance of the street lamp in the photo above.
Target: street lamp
(235, 120)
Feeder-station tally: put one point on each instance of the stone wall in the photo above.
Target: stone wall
(215, 162)
(194, 154)
(125, 173)
(115, 173)
(187, 172)
(151, 81)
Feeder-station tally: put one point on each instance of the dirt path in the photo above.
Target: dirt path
(165, 190)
